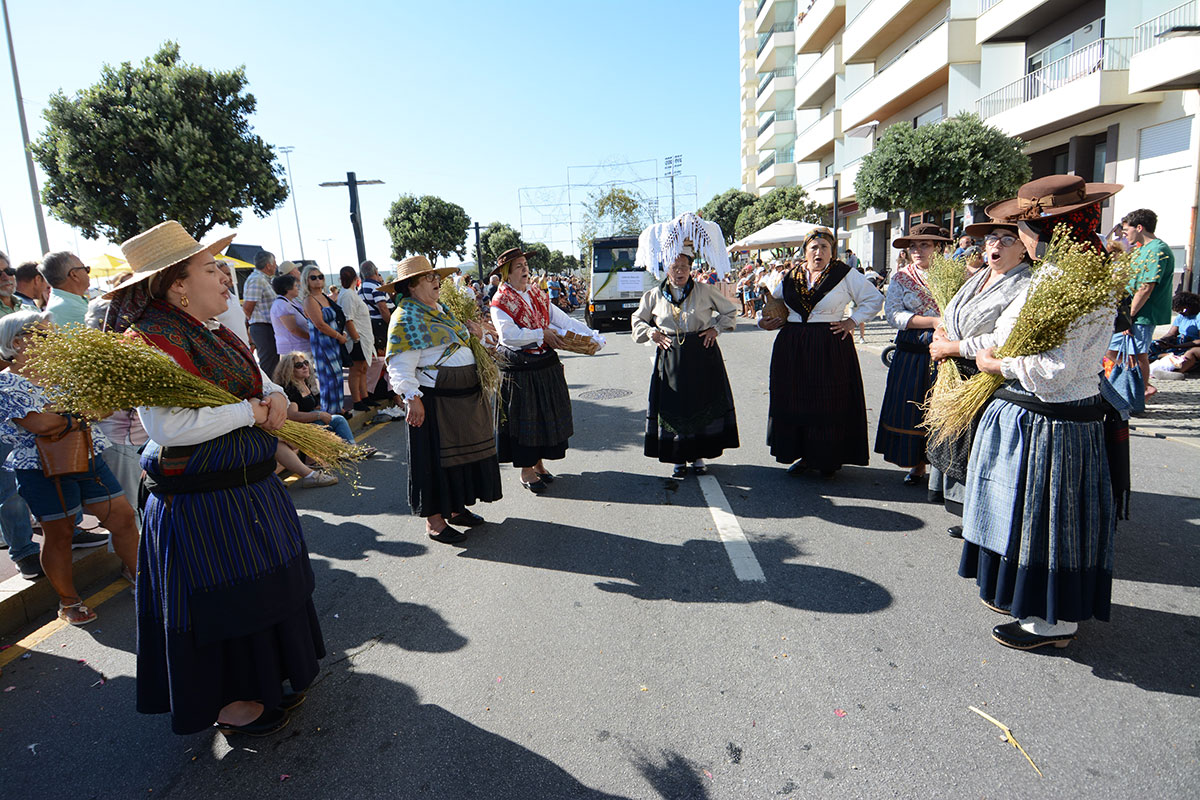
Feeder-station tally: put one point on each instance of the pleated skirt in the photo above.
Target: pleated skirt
(534, 408)
(1039, 520)
(817, 411)
(899, 439)
(224, 591)
(434, 489)
(690, 411)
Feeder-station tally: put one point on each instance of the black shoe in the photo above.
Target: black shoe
(362, 405)
(267, 723)
(912, 479)
(681, 472)
(466, 519)
(447, 535)
(995, 608)
(700, 470)
(1011, 634)
(799, 468)
(537, 487)
(30, 567)
(935, 496)
(83, 539)
(955, 531)
(545, 477)
(291, 701)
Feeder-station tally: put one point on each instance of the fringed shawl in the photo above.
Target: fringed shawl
(416, 326)
(917, 292)
(973, 313)
(533, 315)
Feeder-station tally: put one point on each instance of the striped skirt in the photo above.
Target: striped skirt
(1039, 519)
(817, 411)
(224, 587)
(899, 439)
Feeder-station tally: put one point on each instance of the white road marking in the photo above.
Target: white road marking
(745, 565)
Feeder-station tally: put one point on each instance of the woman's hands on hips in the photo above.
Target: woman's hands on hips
(770, 323)
(845, 327)
(708, 336)
(660, 339)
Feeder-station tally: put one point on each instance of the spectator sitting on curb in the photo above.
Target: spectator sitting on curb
(1180, 346)
(294, 374)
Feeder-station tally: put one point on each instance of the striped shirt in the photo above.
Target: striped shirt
(372, 294)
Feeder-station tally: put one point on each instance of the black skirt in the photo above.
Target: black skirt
(534, 408)
(900, 439)
(434, 489)
(690, 412)
(817, 411)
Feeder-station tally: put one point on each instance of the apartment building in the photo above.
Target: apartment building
(1105, 89)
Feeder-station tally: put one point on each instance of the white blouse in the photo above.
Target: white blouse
(854, 288)
(411, 369)
(184, 426)
(355, 309)
(515, 337)
(1065, 373)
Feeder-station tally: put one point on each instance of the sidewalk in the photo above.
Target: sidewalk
(23, 601)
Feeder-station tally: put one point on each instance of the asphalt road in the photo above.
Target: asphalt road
(595, 642)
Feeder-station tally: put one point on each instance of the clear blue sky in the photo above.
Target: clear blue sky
(467, 101)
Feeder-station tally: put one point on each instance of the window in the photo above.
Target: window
(1067, 45)
(1099, 157)
(1060, 163)
(932, 115)
(1165, 147)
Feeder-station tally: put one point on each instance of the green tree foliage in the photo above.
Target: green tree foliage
(161, 140)
(938, 167)
(782, 202)
(615, 212)
(427, 225)
(539, 257)
(493, 241)
(724, 209)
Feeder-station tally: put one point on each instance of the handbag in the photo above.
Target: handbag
(1126, 376)
(68, 452)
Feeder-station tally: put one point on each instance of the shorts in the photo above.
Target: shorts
(79, 490)
(1142, 336)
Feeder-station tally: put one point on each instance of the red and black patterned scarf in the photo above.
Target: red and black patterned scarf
(218, 357)
(532, 315)
(801, 298)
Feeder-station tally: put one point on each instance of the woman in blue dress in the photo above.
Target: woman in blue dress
(328, 330)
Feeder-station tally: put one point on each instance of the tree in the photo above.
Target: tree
(782, 202)
(939, 167)
(724, 209)
(427, 225)
(616, 212)
(539, 257)
(162, 140)
(493, 241)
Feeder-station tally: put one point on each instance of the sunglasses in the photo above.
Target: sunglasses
(86, 269)
(301, 363)
(316, 277)
(1007, 240)
(10, 271)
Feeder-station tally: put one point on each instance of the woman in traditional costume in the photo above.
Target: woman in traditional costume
(968, 326)
(911, 310)
(224, 585)
(1040, 513)
(451, 442)
(818, 416)
(535, 408)
(690, 415)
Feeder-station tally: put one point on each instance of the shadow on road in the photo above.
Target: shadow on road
(1161, 543)
(696, 572)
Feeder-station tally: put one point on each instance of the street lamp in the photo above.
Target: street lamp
(355, 216)
(287, 154)
(328, 258)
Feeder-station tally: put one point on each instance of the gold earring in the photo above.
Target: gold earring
(183, 301)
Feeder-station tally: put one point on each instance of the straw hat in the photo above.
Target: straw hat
(1050, 197)
(412, 267)
(924, 232)
(164, 245)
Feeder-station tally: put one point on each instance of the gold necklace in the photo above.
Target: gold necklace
(680, 316)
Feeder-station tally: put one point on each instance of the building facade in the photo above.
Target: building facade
(1105, 89)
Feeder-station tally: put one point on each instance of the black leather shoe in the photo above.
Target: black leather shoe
(955, 531)
(700, 470)
(545, 477)
(799, 468)
(1011, 634)
(995, 608)
(681, 472)
(466, 519)
(267, 723)
(913, 479)
(447, 535)
(537, 487)
(291, 701)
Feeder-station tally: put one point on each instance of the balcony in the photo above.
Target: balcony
(777, 129)
(767, 94)
(819, 24)
(747, 106)
(817, 140)
(1010, 20)
(1089, 83)
(876, 26)
(846, 180)
(746, 15)
(775, 171)
(817, 82)
(1167, 56)
(749, 77)
(776, 48)
(915, 72)
(750, 161)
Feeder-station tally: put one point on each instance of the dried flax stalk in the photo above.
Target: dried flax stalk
(92, 373)
(463, 309)
(1084, 281)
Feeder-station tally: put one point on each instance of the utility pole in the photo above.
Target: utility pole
(33, 187)
(355, 216)
(672, 166)
(279, 228)
(287, 154)
(328, 258)
(478, 254)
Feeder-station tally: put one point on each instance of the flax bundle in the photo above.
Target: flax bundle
(945, 277)
(92, 373)
(1084, 281)
(464, 309)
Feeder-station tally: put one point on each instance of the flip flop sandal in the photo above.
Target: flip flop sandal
(83, 617)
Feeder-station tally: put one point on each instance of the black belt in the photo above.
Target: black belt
(162, 485)
(912, 347)
(1065, 412)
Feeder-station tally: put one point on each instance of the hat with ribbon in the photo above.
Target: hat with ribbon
(414, 267)
(1050, 197)
(164, 245)
(923, 232)
(505, 259)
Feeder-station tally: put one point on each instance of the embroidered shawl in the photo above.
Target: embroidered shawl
(535, 315)
(416, 326)
(218, 356)
(918, 298)
(802, 299)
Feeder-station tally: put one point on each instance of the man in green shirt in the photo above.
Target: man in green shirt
(1152, 286)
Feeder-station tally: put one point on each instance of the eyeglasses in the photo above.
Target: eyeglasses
(1007, 240)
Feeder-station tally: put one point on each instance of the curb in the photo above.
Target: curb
(23, 601)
